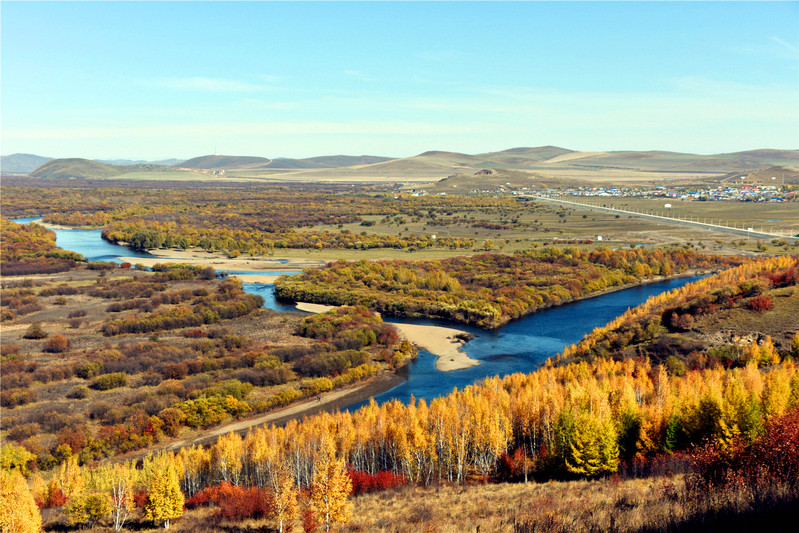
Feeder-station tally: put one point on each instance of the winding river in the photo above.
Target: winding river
(520, 346)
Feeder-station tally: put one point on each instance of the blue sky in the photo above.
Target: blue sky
(154, 80)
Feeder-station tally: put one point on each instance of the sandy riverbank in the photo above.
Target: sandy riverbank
(313, 308)
(440, 341)
(219, 261)
(41, 222)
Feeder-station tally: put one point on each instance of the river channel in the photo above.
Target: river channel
(520, 346)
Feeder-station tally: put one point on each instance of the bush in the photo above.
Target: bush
(57, 344)
(110, 381)
(7, 350)
(35, 331)
(80, 392)
(13, 398)
(235, 503)
(760, 304)
(363, 482)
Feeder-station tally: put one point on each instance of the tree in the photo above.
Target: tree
(16, 458)
(18, 510)
(70, 479)
(88, 508)
(330, 488)
(285, 507)
(117, 479)
(166, 499)
(593, 447)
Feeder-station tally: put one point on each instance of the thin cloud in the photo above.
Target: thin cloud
(438, 56)
(794, 50)
(202, 84)
(358, 75)
(365, 127)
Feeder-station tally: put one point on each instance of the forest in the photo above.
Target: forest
(487, 290)
(728, 427)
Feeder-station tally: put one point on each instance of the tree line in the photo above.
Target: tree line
(486, 290)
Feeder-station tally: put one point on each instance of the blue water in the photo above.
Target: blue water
(88, 243)
(520, 346)
(267, 290)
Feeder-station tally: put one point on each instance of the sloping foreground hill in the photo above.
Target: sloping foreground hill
(743, 314)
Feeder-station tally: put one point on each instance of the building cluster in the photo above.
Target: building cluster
(742, 193)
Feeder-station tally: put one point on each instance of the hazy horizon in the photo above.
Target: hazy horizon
(161, 80)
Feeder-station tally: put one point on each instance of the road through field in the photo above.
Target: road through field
(670, 220)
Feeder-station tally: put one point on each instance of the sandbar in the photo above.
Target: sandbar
(256, 278)
(218, 261)
(314, 308)
(440, 341)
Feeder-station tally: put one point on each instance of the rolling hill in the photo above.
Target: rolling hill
(550, 165)
(219, 162)
(21, 163)
(75, 168)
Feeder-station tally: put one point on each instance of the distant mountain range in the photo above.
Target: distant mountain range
(538, 162)
(219, 162)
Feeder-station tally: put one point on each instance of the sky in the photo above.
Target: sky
(157, 80)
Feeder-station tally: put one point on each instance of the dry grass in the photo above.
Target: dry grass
(568, 506)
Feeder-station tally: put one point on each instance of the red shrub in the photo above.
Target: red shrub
(363, 482)
(235, 503)
(55, 498)
(309, 520)
(769, 461)
(760, 304)
(141, 499)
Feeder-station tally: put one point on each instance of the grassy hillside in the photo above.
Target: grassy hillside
(21, 163)
(210, 162)
(547, 164)
(740, 315)
(75, 168)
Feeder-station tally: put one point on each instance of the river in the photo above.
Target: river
(520, 346)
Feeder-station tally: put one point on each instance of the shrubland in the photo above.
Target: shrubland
(97, 363)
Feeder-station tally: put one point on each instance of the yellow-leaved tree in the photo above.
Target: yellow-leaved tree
(593, 448)
(117, 481)
(18, 510)
(331, 487)
(70, 479)
(166, 498)
(285, 507)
